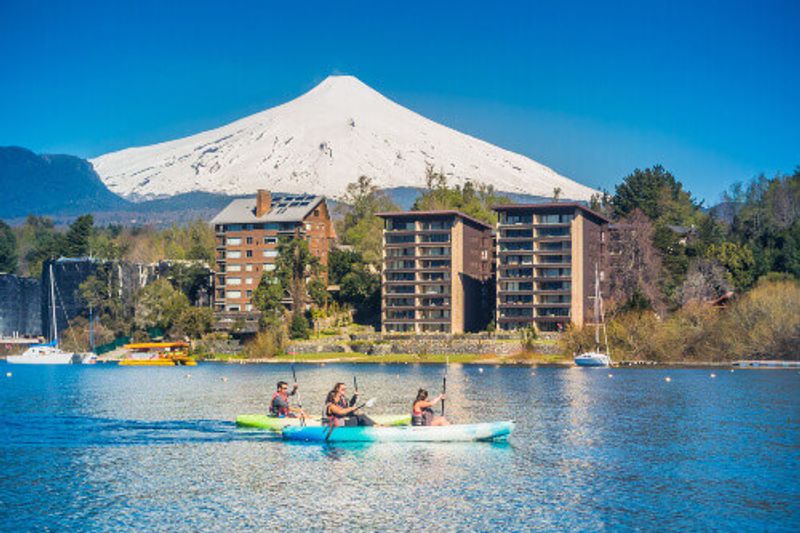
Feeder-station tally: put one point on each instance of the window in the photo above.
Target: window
(249, 240)
(555, 219)
(234, 254)
(269, 267)
(234, 281)
(508, 218)
(436, 237)
(249, 294)
(233, 294)
(308, 227)
(248, 281)
(316, 212)
(553, 232)
(248, 307)
(399, 239)
(233, 308)
(270, 253)
(436, 225)
(248, 268)
(270, 240)
(436, 251)
(234, 268)
(233, 241)
(400, 225)
(400, 276)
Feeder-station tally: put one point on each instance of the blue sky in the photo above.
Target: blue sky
(708, 89)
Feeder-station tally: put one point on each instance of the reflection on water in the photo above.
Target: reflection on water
(156, 449)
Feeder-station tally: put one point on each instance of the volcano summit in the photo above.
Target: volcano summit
(320, 142)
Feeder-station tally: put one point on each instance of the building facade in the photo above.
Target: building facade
(247, 234)
(546, 256)
(437, 268)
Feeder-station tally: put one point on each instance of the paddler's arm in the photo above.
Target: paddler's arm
(336, 410)
(294, 390)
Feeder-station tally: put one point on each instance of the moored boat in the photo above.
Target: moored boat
(158, 354)
(597, 358)
(50, 353)
(274, 423)
(453, 433)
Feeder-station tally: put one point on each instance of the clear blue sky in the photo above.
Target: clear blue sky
(708, 89)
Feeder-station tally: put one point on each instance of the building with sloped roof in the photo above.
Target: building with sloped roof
(247, 234)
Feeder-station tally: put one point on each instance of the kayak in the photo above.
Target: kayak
(452, 433)
(274, 423)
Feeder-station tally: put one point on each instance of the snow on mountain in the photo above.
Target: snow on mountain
(319, 143)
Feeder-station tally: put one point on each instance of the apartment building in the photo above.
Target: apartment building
(545, 260)
(437, 267)
(247, 234)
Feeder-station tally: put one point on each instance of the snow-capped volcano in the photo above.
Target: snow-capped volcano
(319, 143)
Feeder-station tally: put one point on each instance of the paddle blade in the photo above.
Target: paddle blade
(370, 402)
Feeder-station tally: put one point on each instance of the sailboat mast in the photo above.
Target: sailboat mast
(596, 307)
(53, 304)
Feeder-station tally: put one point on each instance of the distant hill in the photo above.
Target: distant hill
(45, 184)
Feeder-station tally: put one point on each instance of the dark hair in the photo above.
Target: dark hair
(422, 394)
(336, 387)
(331, 396)
(281, 384)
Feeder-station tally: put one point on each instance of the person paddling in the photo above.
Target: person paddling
(340, 412)
(280, 407)
(422, 410)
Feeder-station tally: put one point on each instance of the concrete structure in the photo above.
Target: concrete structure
(437, 269)
(546, 256)
(247, 233)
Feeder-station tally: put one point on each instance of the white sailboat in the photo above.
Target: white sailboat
(597, 357)
(49, 353)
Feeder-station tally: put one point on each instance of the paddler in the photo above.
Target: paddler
(422, 411)
(341, 412)
(280, 407)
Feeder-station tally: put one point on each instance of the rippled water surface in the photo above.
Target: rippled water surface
(109, 448)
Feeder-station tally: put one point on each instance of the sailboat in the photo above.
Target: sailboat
(49, 353)
(597, 357)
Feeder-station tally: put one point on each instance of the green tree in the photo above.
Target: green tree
(341, 262)
(657, 193)
(39, 242)
(359, 227)
(8, 249)
(159, 305)
(471, 199)
(299, 328)
(192, 322)
(268, 298)
(738, 260)
(76, 241)
(361, 289)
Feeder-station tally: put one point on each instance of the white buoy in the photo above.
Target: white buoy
(480, 370)
(611, 375)
(713, 375)
(731, 371)
(667, 379)
(9, 374)
(224, 379)
(188, 376)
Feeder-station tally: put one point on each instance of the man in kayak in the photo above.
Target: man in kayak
(341, 412)
(422, 411)
(280, 407)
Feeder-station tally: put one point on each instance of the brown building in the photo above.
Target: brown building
(546, 257)
(247, 233)
(437, 266)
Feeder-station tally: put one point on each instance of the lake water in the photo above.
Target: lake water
(109, 448)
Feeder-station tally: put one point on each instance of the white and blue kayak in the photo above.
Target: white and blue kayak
(452, 433)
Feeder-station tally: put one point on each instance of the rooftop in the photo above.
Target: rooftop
(550, 206)
(285, 208)
(425, 214)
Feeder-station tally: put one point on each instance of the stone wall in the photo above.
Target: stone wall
(420, 344)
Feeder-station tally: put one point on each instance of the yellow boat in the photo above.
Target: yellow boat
(158, 354)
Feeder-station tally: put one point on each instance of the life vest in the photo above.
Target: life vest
(276, 410)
